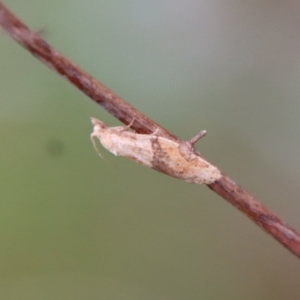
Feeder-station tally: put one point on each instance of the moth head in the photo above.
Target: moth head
(98, 125)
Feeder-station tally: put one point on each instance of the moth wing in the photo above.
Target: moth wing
(136, 147)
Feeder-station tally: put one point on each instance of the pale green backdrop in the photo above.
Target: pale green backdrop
(74, 227)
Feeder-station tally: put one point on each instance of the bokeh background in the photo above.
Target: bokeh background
(74, 227)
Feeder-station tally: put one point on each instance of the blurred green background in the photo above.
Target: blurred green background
(74, 227)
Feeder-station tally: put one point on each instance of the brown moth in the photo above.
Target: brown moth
(159, 153)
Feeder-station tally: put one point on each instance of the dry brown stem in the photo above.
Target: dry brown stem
(116, 106)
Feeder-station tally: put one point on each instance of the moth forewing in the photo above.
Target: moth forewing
(126, 144)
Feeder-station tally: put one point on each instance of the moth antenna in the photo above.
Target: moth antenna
(93, 136)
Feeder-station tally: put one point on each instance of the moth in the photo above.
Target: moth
(159, 153)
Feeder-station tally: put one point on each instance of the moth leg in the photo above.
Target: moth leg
(130, 124)
(155, 132)
(123, 128)
(191, 143)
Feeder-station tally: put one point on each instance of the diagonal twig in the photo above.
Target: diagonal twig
(123, 111)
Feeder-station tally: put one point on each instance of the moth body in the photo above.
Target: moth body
(164, 155)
